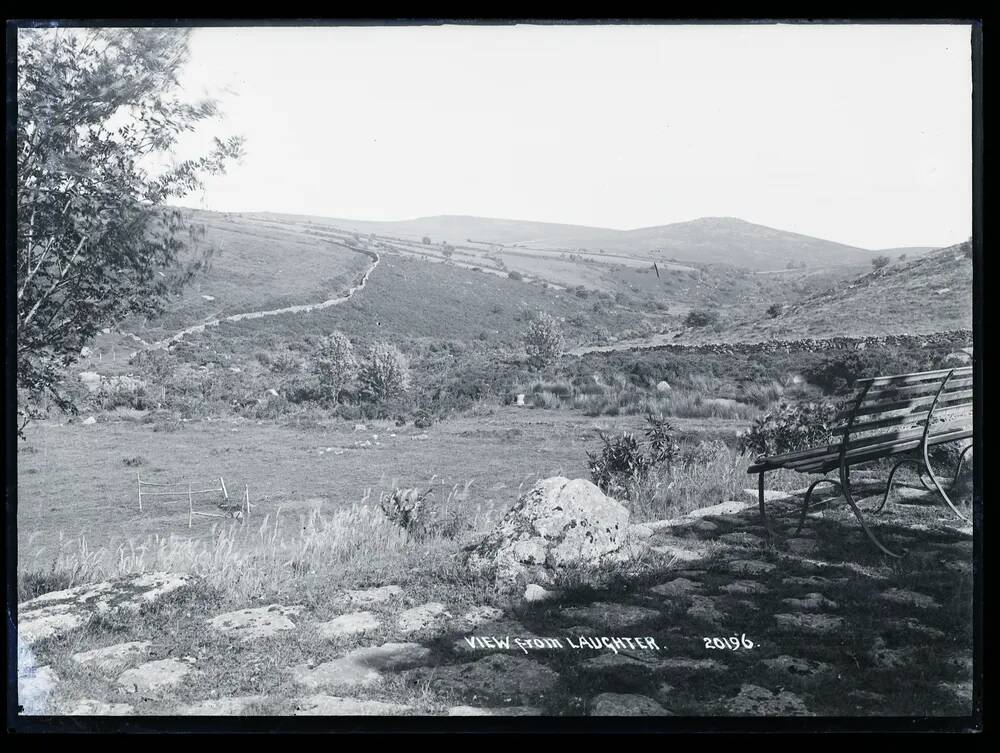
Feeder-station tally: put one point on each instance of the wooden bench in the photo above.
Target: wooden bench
(891, 416)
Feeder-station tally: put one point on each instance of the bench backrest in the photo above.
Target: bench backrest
(903, 407)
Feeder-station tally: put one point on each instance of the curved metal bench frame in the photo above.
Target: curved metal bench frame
(844, 483)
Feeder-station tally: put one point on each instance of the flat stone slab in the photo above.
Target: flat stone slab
(704, 608)
(913, 625)
(811, 601)
(497, 675)
(770, 495)
(495, 711)
(801, 546)
(154, 676)
(369, 596)
(258, 622)
(479, 616)
(814, 581)
(909, 598)
(235, 706)
(745, 587)
(329, 705)
(797, 667)
(610, 614)
(353, 623)
(362, 667)
(425, 617)
(754, 700)
(684, 664)
(94, 707)
(676, 587)
(58, 612)
(750, 567)
(817, 623)
(619, 664)
(114, 658)
(680, 552)
(742, 538)
(722, 509)
(625, 704)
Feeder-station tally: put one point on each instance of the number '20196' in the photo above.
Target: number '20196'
(732, 643)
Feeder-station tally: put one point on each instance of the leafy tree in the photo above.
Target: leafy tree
(98, 110)
(543, 341)
(881, 261)
(334, 364)
(385, 374)
(427, 241)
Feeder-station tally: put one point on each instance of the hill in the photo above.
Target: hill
(710, 239)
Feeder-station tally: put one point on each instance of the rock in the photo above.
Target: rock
(534, 592)
(742, 538)
(683, 664)
(360, 427)
(909, 598)
(113, 658)
(89, 421)
(610, 615)
(208, 297)
(811, 601)
(913, 625)
(328, 705)
(619, 664)
(428, 616)
(58, 612)
(93, 707)
(623, 704)
(154, 676)
(480, 616)
(349, 624)
(704, 608)
(770, 495)
(85, 352)
(639, 532)
(35, 684)
(368, 596)
(259, 622)
(745, 587)
(750, 567)
(817, 623)
(681, 552)
(676, 588)
(801, 547)
(809, 580)
(520, 399)
(497, 675)
(235, 706)
(797, 667)
(889, 658)
(663, 386)
(754, 700)
(362, 666)
(495, 711)
(723, 508)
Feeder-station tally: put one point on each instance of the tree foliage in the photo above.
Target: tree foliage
(334, 364)
(99, 114)
(385, 373)
(543, 341)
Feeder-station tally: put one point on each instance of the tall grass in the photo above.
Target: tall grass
(278, 555)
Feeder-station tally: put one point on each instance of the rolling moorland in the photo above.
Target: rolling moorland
(478, 425)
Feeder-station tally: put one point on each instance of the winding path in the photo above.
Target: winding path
(296, 309)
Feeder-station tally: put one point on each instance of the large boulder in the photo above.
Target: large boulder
(559, 523)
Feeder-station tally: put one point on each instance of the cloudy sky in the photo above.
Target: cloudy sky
(859, 134)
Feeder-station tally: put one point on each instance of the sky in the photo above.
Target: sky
(858, 134)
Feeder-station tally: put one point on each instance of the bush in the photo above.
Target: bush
(426, 241)
(543, 341)
(423, 420)
(701, 318)
(836, 373)
(334, 364)
(624, 463)
(515, 275)
(385, 373)
(881, 261)
(775, 309)
(789, 428)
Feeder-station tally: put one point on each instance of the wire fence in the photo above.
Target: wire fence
(225, 506)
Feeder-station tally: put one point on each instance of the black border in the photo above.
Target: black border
(223, 725)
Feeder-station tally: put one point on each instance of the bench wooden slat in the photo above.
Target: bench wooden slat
(898, 405)
(884, 393)
(873, 452)
(916, 376)
(918, 417)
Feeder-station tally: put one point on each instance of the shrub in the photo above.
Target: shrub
(624, 463)
(426, 241)
(385, 374)
(543, 341)
(836, 373)
(423, 420)
(404, 506)
(789, 428)
(701, 318)
(334, 364)
(515, 275)
(880, 261)
(775, 309)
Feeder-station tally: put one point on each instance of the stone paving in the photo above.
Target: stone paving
(740, 629)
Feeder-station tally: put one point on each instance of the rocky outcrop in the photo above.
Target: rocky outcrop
(559, 523)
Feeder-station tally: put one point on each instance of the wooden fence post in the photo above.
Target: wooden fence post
(190, 506)
(138, 482)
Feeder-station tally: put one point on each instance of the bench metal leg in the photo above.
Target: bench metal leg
(768, 533)
(892, 475)
(958, 468)
(846, 487)
(937, 484)
(805, 502)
